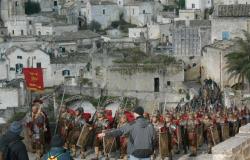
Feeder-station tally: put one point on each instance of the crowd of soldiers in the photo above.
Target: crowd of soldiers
(184, 129)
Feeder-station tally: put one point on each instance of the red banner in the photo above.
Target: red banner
(34, 78)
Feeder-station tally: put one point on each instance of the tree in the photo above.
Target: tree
(238, 62)
(32, 7)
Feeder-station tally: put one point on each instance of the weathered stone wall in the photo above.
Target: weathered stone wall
(235, 148)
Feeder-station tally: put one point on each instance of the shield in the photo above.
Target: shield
(225, 131)
(215, 135)
(164, 144)
(109, 144)
(200, 135)
(83, 138)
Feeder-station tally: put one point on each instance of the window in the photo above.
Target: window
(2, 33)
(16, 3)
(38, 65)
(144, 12)
(133, 11)
(62, 49)
(168, 83)
(39, 33)
(156, 84)
(12, 69)
(103, 11)
(22, 32)
(193, 5)
(66, 73)
(225, 35)
(30, 22)
(19, 68)
(13, 32)
(119, 2)
(19, 57)
(55, 3)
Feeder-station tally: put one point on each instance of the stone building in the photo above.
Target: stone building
(10, 8)
(229, 20)
(103, 12)
(144, 77)
(69, 70)
(152, 84)
(213, 62)
(189, 40)
(15, 59)
(198, 4)
(230, 2)
(71, 42)
(139, 13)
(17, 26)
(45, 29)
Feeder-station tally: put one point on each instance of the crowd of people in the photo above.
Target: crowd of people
(203, 121)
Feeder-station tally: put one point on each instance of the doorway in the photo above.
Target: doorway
(156, 84)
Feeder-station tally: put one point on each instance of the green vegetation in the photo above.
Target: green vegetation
(135, 56)
(32, 7)
(238, 62)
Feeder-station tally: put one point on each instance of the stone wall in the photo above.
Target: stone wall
(235, 148)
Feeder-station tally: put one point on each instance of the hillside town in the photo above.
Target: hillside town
(79, 69)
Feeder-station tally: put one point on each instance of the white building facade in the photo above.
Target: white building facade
(17, 59)
(198, 4)
(102, 12)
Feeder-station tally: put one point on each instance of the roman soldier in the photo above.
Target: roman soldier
(184, 132)
(233, 125)
(101, 124)
(39, 130)
(77, 122)
(175, 134)
(224, 126)
(207, 121)
(192, 134)
(158, 126)
(64, 124)
(123, 139)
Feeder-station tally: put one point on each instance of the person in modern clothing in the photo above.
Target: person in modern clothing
(11, 144)
(141, 136)
(57, 151)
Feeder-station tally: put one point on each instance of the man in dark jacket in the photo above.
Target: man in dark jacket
(57, 151)
(141, 136)
(11, 144)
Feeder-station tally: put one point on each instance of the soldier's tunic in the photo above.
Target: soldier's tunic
(192, 135)
(208, 124)
(157, 126)
(77, 124)
(123, 143)
(39, 130)
(99, 126)
(224, 128)
(64, 125)
(184, 133)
